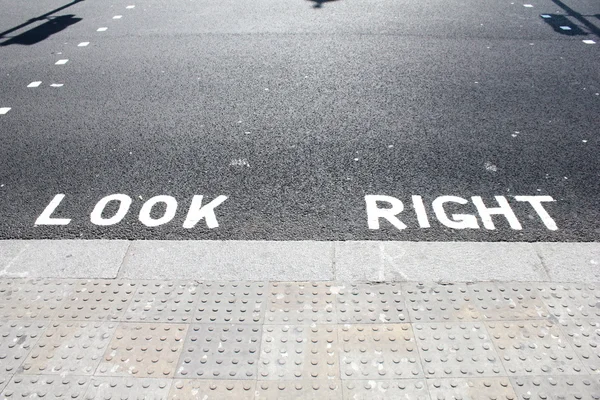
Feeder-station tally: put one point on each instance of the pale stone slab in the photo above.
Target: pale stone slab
(438, 261)
(67, 259)
(229, 260)
(571, 262)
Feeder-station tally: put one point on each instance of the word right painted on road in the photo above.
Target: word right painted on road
(388, 208)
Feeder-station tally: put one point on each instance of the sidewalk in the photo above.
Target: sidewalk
(118, 339)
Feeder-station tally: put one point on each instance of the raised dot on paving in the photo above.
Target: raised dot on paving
(4, 110)
(588, 41)
(83, 44)
(117, 17)
(61, 62)
(35, 84)
(101, 29)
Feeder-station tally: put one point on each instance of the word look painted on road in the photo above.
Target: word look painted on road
(195, 214)
(394, 206)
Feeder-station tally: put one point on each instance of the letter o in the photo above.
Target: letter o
(169, 214)
(124, 204)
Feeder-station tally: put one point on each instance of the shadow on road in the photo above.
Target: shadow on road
(319, 3)
(563, 24)
(41, 32)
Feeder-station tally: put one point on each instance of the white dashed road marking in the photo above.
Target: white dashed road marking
(117, 17)
(57, 84)
(527, 5)
(83, 44)
(130, 7)
(4, 110)
(101, 29)
(35, 84)
(62, 62)
(587, 41)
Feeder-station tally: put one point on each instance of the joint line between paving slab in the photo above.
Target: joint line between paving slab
(333, 266)
(118, 274)
(542, 262)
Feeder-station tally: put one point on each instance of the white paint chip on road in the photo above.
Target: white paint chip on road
(130, 7)
(490, 167)
(587, 41)
(61, 62)
(117, 17)
(57, 84)
(527, 5)
(545, 16)
(101, 29)
(4, 110)
(35, 84)
(565, 28)
(83, 44)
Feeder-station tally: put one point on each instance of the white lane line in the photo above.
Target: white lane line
(83, 44)
(4, 110)
(587, 41)
(117, 17)
(61, 62)
(57, 84)
(130, 7)
(35, 84)
(101, 29)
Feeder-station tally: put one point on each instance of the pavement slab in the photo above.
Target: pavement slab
(342, 352)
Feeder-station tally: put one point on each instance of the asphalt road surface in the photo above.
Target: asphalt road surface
(287, 114)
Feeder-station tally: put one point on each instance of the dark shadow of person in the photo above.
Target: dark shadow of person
(319, 3)
(37, 34)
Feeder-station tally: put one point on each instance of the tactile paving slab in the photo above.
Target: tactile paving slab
(534, 348)
(471, 388)
(143, 350)
(96, 300)
(231, 302)
(299, 390)
(128, 388)
(457, 349)
(516, 301)
(207, 389)
(46, 387)
(221, 351)
(17, 338)
(584, 335)
(32, 299)
(413, 389)
(300, 303)
(583, 387)
(371, 303)
(299, 352)
(571, 300)
(378, 352)
(73, 348)
(163, 302)
(473, 302)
